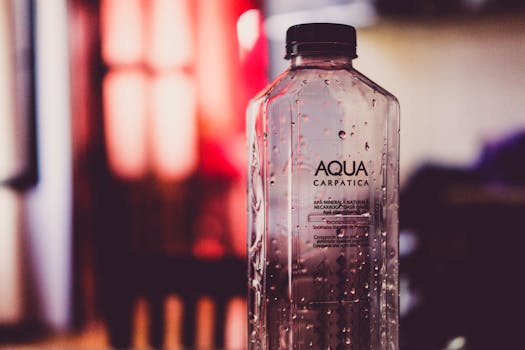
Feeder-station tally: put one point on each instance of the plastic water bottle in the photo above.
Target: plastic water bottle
(323, 179)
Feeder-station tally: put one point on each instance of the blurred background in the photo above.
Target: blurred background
(122, 163)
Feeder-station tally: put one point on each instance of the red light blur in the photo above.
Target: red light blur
(170, 35)
(122, 30)
(124, 98)
(173, 126)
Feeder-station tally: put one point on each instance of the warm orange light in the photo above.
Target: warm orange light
(10, 283)
(173, 306)
(122, 23)
(124, 96)
(205, 322)
(235, 336)
(173, 126)
(170, 36)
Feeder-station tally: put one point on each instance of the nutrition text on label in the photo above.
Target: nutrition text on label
(344, 237)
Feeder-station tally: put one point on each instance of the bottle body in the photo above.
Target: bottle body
(322, 211)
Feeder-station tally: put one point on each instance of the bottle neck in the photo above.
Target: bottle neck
(321, 62)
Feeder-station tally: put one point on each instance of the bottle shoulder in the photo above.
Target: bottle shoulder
(376, 87)
(346, 83)
(278, 84)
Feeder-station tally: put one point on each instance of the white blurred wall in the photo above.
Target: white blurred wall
(460, 83)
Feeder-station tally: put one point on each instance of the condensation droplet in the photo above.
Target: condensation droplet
(342, 134)
(340, 232)
(367, 147)
(373, 102)
(327, 82)
(305, 81)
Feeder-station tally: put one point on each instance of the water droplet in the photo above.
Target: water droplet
(340, 232)
(327, 82)
(352, 134)
(373, 102)
(367, 147)
(329, 311)
(366, 123)
(305, 81)
(342, 134)
(353, 126)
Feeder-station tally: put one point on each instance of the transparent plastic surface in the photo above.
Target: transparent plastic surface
(322, 210)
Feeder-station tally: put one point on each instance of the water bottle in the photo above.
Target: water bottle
(323, 179)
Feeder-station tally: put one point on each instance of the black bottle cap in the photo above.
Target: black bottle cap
(315, 39)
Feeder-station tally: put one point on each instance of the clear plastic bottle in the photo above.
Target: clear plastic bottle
(323, 179)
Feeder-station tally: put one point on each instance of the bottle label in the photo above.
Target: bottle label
(341, 174)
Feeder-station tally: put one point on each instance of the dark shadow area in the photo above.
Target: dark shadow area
(467, 267)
